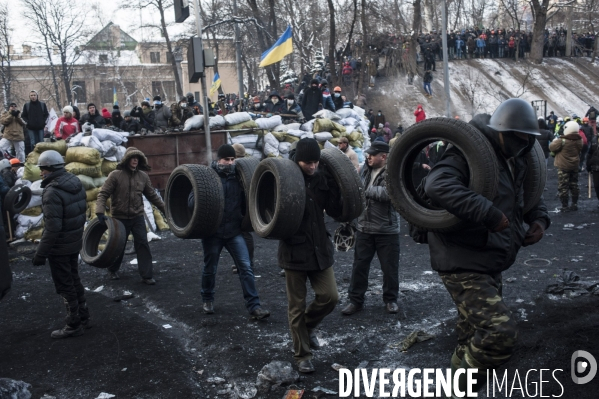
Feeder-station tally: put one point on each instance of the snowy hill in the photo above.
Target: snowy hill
(568, 85)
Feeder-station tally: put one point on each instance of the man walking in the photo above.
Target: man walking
(125, 187)
(64, 206)
(13, 132)
(309, 255)
(348, 151)
(567, 149)
(378, 233)
(35, 114)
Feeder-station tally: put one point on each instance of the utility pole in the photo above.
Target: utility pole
(569, 31)
(238, 54)
(196, 6)
(445, 61)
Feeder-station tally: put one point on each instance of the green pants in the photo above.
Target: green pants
(567, 183)
(302, 319)
(487, 332)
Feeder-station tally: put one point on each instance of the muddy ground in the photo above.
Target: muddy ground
(130, 354)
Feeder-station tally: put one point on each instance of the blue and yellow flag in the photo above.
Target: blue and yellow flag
(215, 84)
(281, 48)
(115, 99)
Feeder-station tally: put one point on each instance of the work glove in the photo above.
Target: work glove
(38, 260)
(534, 234)
(102, 218)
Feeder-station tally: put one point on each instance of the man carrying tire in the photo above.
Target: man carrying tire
(229, 236)
(308, 254)
(470, 261)
(125, 187)
(378, 233)
(63, 206)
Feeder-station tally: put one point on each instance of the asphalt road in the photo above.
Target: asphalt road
(132, 353)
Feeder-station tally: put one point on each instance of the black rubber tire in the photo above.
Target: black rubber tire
(349, 182)
(277, 198)
(536, 175)
(17, 199)
(92, 236)
(477, 150)
(245, 168)
(208, 209)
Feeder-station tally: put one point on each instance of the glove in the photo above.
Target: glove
(101, 218)
(38, 260)
(534, 234)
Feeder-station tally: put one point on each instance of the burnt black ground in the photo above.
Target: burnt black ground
(128, 352)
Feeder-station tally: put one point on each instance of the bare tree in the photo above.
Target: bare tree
(5, 55)
(332, 42)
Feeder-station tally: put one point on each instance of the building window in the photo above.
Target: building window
(79, 93)
(103, 58)
(164, 89)
(155, 57)
(106, 92)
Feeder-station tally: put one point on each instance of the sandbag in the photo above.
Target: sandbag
(31, 172)
(108, 148)
(92, 142)
(91, 205)
(355, 144)
(247, 140)
(60, 146)
(269, 123)
(322, 125)
(32, 157)
(160, 222)
(326, 114)
(284, 147)
(338, 127)
(75, 141)
(120, 153)
(89, 156)
(360, 111)
(250, 124)
(355, 135)
(87, 182)
(280, 136)
(33, 211)
(216, 121)
(108, 166)
(334, 141)
(30, 222)
(336, 133)
(193, 123)
(92, 195)
(308, 126)
(308, 135)
(296, 133)
(34, 234)
(348, 113)
(291, 139)
(285, 128)
(36, 200)
(36, 187)
(271, 146)
(328, 144)
(323, 136)
(79, 168)
(107, 134)
(237, 118)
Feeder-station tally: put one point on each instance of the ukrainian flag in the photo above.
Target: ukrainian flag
(115, 99)
(281, 48)
(215, 84)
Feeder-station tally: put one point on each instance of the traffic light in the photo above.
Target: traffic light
(181, 10)
(195, 60)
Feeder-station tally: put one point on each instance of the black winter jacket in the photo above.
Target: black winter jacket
(10, 178)
(544, 139)
(311, 249)
(379, 217)
(311, 101)
(97, 120)
(131, 126)
(64, 206)
(593, 156)
(475, 248)
(35, 114)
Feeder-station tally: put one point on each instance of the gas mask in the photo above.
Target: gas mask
(226, 169)
(183, 105)
(290, 102)
(512, 145)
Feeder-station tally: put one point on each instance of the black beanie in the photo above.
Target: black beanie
(307, 150)
(115, 106)
(225, 151)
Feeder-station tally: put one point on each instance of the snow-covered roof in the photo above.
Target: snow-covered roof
(88, 57)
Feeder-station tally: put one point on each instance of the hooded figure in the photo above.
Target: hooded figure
(117, 119)
(275, 106)
(125, 187)
(312, 100)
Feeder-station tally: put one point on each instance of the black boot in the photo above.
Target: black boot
(84, 313)
(574, 206)
(565, 207)
(73, 327)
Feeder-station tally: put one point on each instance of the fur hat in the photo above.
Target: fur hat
(226, 151)
(134, 152)
(68, 109)
(307, 150)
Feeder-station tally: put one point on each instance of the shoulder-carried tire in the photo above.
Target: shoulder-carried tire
(204, 219)
(349, 182)
(245, 167)
(277, 198)
(17, 199)
(115, 245)
(536, 175)
(477, 150)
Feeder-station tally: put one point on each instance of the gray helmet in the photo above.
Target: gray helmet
(515, 115)
(50, 159)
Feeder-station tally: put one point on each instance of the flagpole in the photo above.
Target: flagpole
(196, 6)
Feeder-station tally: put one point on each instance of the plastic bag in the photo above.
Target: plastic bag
(216, 121)
(36, 187)
(284, 147)
(323, 136)
(271, 146)
(237, 118)
(107, 134)
(247, 140)
(326, 114)
(193, 123)
(269, 123)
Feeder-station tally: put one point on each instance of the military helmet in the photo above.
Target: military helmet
(515, 115)
(50, 159)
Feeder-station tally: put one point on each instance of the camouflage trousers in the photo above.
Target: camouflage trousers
(567, 181)
(487, 332)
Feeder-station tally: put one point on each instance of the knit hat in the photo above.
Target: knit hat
(126, 114)
(105, 113)
(239, 150)
(157, 98)
(225, 151)
(307, 150)
(115, 106)
(68, 109)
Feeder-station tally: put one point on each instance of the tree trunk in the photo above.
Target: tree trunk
(53, 69)
(169, 47)
(538, 31)
(66, 78)
(417, 22)
(264, 43)
(332, 44)
(351, 31)
(363, 51)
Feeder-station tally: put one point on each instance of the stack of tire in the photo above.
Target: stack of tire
(483, 166)
(275, 188)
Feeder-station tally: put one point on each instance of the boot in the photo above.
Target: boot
(565, 207)
(84, 314)
(73, 327)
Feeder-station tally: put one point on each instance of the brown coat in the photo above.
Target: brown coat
(125, 188)
(567, 151)
(13, 127)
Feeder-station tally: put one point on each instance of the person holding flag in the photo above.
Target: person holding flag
(215, 83)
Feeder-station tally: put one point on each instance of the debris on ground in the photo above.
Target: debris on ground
(337, 366)
(275, 373)
(245, 390)
(126, 295)
(324, 390)
(414, 337)
(570, 282)
(105, 395)
(14, 389)
(215, 380)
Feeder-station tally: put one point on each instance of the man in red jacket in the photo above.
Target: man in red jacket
(419, 114)
(66, 125)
